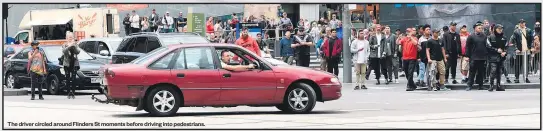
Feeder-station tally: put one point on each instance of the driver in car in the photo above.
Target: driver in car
(225, 58)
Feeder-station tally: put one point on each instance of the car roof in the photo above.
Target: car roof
(163, 34)
(201, 45)
(102, 39)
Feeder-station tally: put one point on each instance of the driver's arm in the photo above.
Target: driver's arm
(236, 67)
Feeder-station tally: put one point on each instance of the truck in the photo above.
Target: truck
(49, 26)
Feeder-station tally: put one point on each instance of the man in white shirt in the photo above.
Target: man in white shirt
(167, 23)
(360, 48)
(135, 22)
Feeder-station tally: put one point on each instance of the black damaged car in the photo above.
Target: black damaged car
(16, 75)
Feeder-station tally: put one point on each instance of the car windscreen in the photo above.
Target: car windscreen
(114, 45)
(274, 62)
(169, 40)
(55, 52)
(145, 57)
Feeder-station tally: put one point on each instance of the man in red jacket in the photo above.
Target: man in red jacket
(248, 42)
(332, 48)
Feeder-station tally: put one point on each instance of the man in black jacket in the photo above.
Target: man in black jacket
(522, 38)
(153, 21)
(126, 23)
(496, 57)
(451, 39)
(477, 53)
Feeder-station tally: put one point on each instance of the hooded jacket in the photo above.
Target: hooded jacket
(496, 41)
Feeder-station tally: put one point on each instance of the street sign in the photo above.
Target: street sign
(196, 23)
(253, 29)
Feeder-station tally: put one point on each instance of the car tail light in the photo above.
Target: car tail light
(110, 73)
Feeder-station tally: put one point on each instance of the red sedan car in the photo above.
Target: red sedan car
(195, 75)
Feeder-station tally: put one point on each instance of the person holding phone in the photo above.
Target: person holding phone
(37, 69)
(70, 63)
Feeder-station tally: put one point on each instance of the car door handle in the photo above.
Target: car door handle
(180, 75)
(226, 75)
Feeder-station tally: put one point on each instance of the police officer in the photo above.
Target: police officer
(496, 56)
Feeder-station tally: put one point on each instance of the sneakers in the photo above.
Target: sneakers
(356, 88)
(396, 81)
(364, 87)
(455, 82)
(527, 81)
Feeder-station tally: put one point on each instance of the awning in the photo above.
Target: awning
(60, 21)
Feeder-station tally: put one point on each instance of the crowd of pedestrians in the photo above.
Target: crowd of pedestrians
(133, 23)
(435, 52)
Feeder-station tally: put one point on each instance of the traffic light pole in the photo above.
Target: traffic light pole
(347, 62)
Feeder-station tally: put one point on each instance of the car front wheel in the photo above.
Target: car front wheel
(11, 82)
(300, 99)
(162, 101)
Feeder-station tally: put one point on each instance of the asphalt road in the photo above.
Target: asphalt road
(384, 106)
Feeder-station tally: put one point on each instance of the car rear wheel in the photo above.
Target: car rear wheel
(162, 101)
(11, 83)
(53, 85)
(300, 99)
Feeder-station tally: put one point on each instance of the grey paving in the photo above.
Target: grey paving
(383, 106)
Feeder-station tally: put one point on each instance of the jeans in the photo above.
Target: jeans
(303, 60)
(375, 64)
(409, 69)
(436, 68)
(452, 61)
(70, 79)
(288, 59)
(135, 30)
(422, 70)
(519, 65)
(393, 67)
(360, 69)
(476, 69)
(37, 81)
(332, 65)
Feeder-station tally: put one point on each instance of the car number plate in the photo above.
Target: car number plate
(96, 80)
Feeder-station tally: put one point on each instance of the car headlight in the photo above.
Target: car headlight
(334, 80)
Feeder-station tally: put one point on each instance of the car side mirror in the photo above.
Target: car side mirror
(104, 53)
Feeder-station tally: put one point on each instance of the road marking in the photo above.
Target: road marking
(440, 99)
(361, 110)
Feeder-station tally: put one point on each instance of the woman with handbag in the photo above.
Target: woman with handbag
(37, 69)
